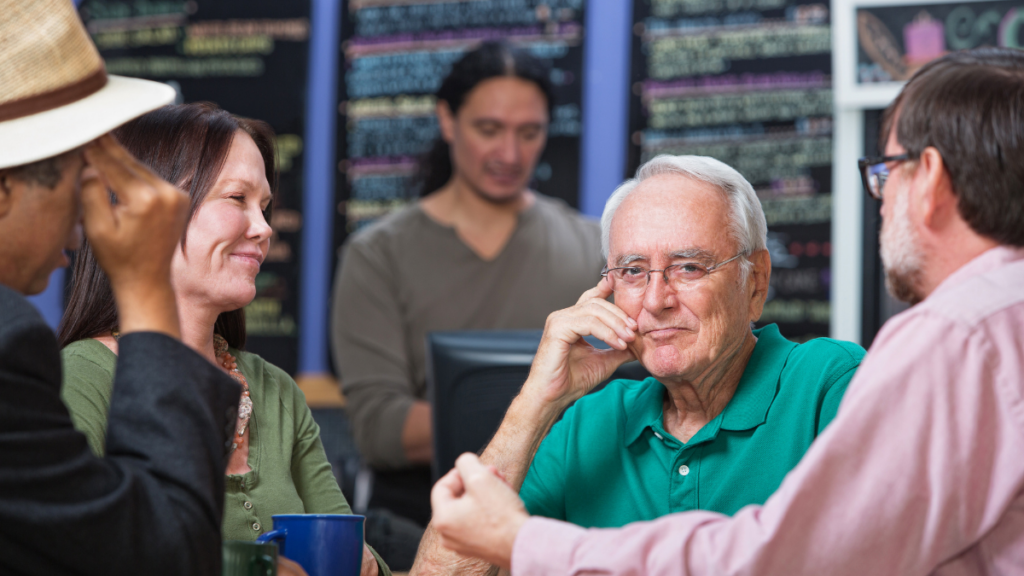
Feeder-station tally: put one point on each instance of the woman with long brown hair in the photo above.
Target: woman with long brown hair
(226, 164)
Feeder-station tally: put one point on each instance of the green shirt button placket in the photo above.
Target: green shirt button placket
(250, 512)
(683, 485)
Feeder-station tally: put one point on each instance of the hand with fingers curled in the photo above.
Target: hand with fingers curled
(476, 509)
(134, 239)
(476, 512)
(566, 366)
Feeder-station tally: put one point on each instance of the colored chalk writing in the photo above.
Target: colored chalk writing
(748, 82)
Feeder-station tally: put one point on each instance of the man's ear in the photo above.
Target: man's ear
(7, 193)
(935, 192)
(760, 276)
(445, 121)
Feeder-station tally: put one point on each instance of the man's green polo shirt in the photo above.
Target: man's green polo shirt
(609, 461)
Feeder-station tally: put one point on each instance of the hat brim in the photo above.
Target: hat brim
(46, 134)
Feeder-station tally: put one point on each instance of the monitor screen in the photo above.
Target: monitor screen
(472, 377)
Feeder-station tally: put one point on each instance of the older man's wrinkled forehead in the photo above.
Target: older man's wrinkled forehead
(668, 215)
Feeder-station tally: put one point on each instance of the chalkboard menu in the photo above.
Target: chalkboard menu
(250, 58)
(395, 53)
(748, 82)
(894, 41)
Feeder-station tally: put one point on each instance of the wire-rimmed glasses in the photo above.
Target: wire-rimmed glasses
(874, 171)
(633, 280)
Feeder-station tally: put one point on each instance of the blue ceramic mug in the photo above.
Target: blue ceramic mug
(323, 544)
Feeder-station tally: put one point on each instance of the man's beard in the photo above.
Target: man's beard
(901, 257)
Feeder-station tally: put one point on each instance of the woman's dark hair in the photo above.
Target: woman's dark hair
(489, 60)
(187, 146)
(969, 105)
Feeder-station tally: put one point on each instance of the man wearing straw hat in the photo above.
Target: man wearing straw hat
(154, 504)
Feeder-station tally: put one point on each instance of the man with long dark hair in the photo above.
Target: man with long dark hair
(479, 251)
(922, 470)
(154, 504)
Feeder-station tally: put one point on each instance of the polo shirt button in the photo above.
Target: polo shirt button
(248, 506)
(658, 436)
(256, 526)
(684, 470)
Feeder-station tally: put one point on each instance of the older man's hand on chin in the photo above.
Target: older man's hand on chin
(476, 512)
(565, 368)
(686, 261)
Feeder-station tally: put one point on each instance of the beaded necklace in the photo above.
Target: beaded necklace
(220, 348)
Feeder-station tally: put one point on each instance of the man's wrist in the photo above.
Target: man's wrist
(514, 525)
(533, 407)
(147, 308)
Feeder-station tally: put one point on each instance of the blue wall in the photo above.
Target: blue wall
(318, 200)
(51, 302)
(602, 166)
(605, 101)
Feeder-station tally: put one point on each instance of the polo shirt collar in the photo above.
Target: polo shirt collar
(760, 381)
(748, 407)
(647, 409)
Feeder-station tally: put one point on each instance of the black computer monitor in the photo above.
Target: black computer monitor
(472, 377)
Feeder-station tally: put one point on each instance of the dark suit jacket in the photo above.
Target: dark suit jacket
(154, 504)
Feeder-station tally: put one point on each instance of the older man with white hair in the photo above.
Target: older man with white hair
(729, 410)
(921, 470)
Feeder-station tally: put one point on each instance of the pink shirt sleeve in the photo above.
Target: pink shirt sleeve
(921, 471)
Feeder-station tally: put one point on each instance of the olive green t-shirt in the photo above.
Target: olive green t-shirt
(609, 461)
(290, 472)
(407, 275)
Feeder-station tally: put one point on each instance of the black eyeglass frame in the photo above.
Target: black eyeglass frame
(865, 164)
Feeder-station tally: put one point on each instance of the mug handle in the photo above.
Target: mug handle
(278, 536)
(262, 566)
(274, 535)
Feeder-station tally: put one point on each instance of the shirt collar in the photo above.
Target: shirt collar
(749, 405)
(988, 260)
(760, 381)
(646, 409)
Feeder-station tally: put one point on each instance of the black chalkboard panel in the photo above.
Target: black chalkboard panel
(894, 41)
(748, 82)
(395, 54)
(250, 58)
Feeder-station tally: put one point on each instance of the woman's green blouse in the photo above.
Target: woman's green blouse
(290, 473)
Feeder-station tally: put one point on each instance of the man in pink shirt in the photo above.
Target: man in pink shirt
(922, 471)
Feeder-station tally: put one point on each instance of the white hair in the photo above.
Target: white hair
(747, 225)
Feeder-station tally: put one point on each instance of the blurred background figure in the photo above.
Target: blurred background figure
(479, 250)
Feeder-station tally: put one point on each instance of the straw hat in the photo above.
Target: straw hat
(55, 94)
